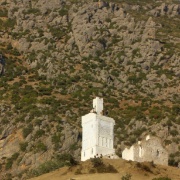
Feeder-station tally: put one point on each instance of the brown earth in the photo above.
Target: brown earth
(139, 171)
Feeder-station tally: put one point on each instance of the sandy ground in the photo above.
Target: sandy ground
(123, 168)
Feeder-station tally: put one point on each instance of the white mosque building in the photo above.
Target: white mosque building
(97, 133)
(98, 140)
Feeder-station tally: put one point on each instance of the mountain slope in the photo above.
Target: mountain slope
(60, 55)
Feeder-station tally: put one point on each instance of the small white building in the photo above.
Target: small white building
(97, 132)
(150, 149)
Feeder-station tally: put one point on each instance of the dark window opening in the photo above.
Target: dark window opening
(157, 153)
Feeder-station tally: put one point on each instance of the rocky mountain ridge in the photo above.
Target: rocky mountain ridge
(60, 54)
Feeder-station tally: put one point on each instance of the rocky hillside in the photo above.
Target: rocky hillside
(58, 55)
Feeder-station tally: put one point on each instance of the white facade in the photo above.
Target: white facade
(128, 154)
(98, 105)
(97, 132)
(149, 149)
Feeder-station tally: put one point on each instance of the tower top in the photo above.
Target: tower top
(98, 105)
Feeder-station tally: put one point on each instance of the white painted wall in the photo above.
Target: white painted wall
(98, 105)
(97, 133)
(128, 154)
(149, 149)
(147, 137)
(88, 136)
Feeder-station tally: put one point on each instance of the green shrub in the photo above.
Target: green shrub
(110, 169)
(33, 11)
(78, 171)
(172, 161)
(14, 156)
(10, 23)
(3, 13)
(126, 177)
(44, 168)
(57, 32)
(40, 146)
(100, 167)
(5, 120)
(136, 53)
(167, 141)
(39, 133)
(45, 91)
(67, 159)
(56, 138)
(15, 52)
(59, 161)
(73, 147)
(176, 110)
(23, 146)
(96, 162)
(108, 20)
(144, 167)
(8, 176)
(9, 162)
(63, 12)
(27, 130)
(92, 171)
(174, 132)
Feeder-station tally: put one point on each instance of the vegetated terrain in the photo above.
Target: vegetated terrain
(113, 169)
(59, 55)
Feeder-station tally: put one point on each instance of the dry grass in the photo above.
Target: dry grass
(144, 171)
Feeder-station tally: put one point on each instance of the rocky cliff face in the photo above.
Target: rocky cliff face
(60, 54)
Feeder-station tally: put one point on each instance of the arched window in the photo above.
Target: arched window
(92, 151)
(84, 154)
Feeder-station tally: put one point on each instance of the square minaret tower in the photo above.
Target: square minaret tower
(97, 132)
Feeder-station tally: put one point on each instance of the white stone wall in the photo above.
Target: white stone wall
(149, 150)
(105, 132)
(98, 105)
(104, 151)
(128, 154)
(89, 133)
(97, 136)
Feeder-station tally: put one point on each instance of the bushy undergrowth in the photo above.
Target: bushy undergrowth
(161, 178)
(59, 161)
(126, 177)
(145, 167)
(100, 167)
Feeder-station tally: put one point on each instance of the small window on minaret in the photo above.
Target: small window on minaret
(157, 153)
(84, 154)
(92, 151)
